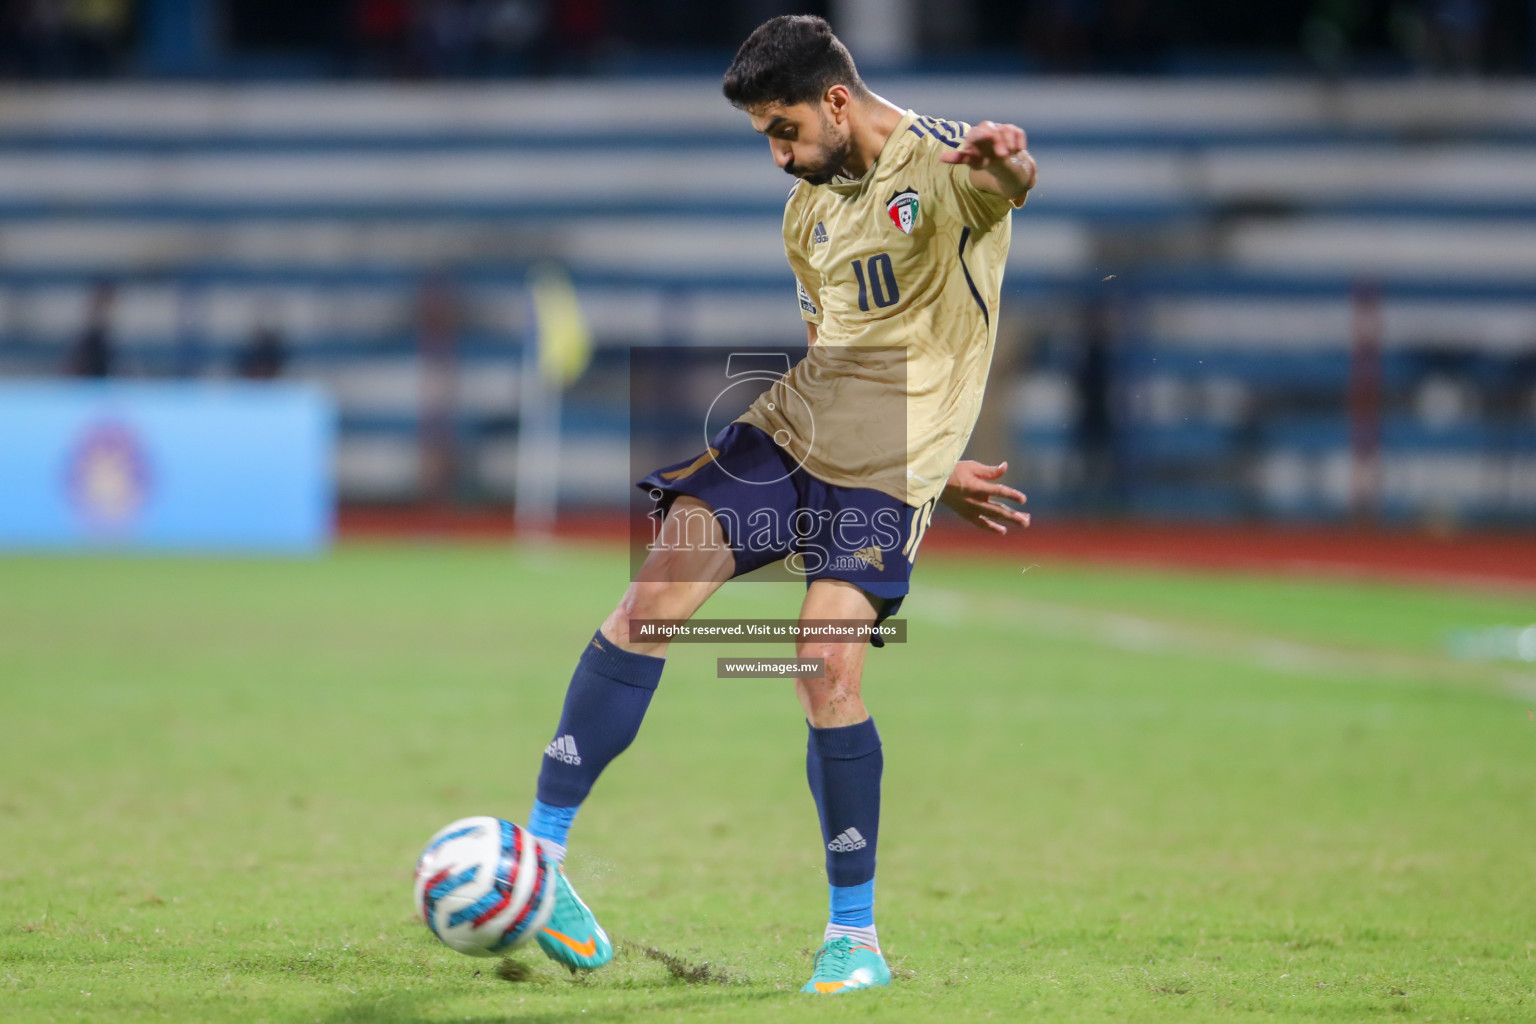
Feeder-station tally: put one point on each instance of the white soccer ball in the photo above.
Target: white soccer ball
(483, 887)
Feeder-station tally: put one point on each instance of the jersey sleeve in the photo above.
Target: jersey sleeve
(979, 208)
(807, 281)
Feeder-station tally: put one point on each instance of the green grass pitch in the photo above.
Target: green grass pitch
(1109, 795)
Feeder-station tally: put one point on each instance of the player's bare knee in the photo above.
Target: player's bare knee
(839, 661)
(646, 601)
(839, 679)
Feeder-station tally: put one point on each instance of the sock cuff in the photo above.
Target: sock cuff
(845, 742)
(853, 906)
(604, 658)
(551, 823)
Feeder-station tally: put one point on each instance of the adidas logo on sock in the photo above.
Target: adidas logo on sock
(564, 749)
(847, 842)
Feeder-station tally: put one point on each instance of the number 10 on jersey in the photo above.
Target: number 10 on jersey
(880, 284)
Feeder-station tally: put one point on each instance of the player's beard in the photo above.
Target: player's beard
(832, 158)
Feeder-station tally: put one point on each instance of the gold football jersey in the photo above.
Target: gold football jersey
(902, 271)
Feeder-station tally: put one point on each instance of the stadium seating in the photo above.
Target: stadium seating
(1224, 226)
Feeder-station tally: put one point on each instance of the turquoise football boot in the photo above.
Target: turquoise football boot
(843, 966)
(572, 937)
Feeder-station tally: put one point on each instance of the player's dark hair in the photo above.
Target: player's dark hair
(790, 59)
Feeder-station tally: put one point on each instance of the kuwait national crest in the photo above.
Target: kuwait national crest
(903, 210)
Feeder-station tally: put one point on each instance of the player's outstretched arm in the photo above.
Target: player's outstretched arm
(973, 493)
(998, 155)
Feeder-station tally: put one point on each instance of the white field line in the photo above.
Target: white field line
(1141, 635)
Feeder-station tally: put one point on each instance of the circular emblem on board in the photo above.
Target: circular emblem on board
(108, 474)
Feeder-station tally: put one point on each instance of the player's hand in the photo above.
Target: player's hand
(972, 493)
(987, 143)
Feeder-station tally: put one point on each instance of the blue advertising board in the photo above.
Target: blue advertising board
(238, 467)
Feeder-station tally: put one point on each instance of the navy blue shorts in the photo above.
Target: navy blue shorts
(771, 508)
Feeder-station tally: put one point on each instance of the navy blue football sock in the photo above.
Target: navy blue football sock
(843, 765)
(604, 707)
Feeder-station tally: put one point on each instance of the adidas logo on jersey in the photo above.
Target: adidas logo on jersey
(848, 841)
(871, 556)
(820, 234)
(563, 749)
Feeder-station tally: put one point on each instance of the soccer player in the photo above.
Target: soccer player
(897, 231)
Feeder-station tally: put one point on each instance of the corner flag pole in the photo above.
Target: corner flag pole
(556, 350)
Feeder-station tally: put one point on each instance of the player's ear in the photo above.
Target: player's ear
(836, 100)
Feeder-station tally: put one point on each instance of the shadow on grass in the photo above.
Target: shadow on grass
(425, 1007)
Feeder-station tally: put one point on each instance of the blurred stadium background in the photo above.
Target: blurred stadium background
(1281, 266)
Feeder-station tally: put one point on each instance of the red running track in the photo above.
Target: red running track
(1497, 560)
